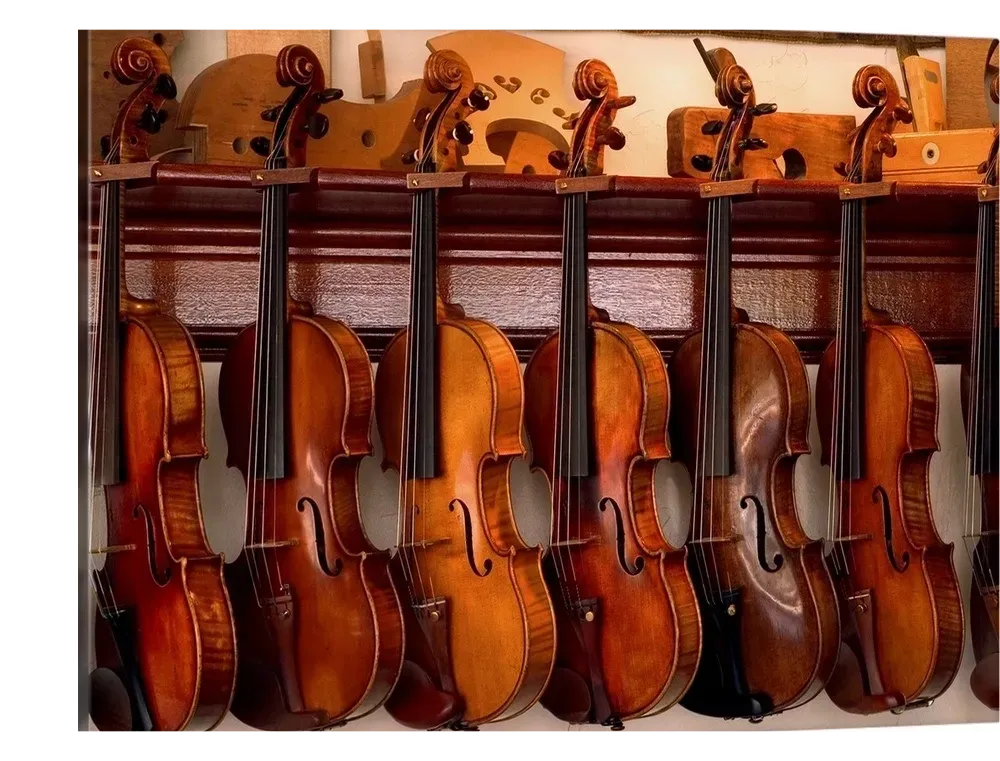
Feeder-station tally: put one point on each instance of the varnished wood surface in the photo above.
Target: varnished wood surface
(789, 624)
(500, 633)
(193, 237)
(348, 638)
(919, 625)
(648, 623)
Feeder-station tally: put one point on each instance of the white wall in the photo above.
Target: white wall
(664, 73)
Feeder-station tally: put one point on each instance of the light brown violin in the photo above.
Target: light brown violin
(876, 397)
(319, 623)
(166, 649)
(628, 626)
(479, 624)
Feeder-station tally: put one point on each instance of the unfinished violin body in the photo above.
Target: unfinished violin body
(480, 639)
(164, 627)
(319, 623)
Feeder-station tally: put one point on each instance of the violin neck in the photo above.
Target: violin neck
(849, 382)
(983, 425)
(717, 344)
(105, 380)
(421, 385)
(270, 361)
(573, 407)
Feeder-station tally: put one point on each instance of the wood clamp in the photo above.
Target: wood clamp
(866, 190)
(435, 180)
(598, 183)
(728, 188)
(140, 170)
(300, 175)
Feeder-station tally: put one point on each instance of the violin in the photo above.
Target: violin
(165, 645)
(980, 391)
(479, 623)
(741, 399)
(877, 402)
(596, 413)
(319, 623)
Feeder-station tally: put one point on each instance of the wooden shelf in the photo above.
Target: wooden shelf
(192, 243)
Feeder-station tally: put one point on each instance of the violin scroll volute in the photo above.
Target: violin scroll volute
(299, 118)
(734, 90)
(875, 88)
(446, 132)
(137, 60)
(593, 129)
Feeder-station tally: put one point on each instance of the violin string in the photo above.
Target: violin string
(281, 328)
(833, 500)
(431, 235)
(972, 433)
(578, 253)
(715, 245)
(986, 418)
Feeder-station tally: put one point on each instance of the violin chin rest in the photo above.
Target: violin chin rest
(417, 703)
(983, 681)
(567, 696)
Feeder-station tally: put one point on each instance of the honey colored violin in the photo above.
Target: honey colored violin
(901, 611)
(741, 420)
(319, 623)
(166, 650)
(479, 624)
(597, 404)
(980, 395)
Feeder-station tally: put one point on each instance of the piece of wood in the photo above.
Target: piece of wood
(300, 175)
(926, 94)
(866, 190)
(241, 42)
(222, 106)
(731, 188)
(524, 79)
(799, 146)
(106, 93)
(964, 62)
(435, 180)
(194, 238)
(988, 194)
(598, 183)
(951, 156)
(139, 170)
(371, 62)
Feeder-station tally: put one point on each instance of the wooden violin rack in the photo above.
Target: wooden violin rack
(193, 236)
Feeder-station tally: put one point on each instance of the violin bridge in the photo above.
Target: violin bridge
(112, 549)
(423, 544)
(430, 609)
(717, 539)
(981, 534)
(572, 542)
(277, 544)
(851, 538)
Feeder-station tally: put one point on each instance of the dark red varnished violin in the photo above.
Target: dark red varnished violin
(165, 630)
(596, 412)
(876, 397)
(320, 628)
(741, 400)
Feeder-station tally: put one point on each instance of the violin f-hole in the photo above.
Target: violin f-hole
(880, 496)
(778, 561)
(632, 569)
(159, 577)
(338, 565)
(469, 551)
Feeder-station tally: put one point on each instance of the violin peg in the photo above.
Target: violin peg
(764, 109)
(408, 158)
(151, 120)
(260, 145)
(559, 160)
(270, 114)
(330, 94)
(713, 127)
(317, 126)
(463, 133)
(624, 101)
(477, 100)
(981, 169)
(166, 86)
(902, 113)
(614, 139)
(701, 162)
(106, 147)
(753, 144)
(841, 168)
(887, 146)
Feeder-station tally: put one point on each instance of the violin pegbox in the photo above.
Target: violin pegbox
(875, 88)
(734, 89)
(446, 131)
(137, 60)
(593, 128)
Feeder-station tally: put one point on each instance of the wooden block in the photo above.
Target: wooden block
(245, 41)
(730, 188)
(106, 93)
(140, 170)
(926, 91)
(965, 61)
(435, 180)
(371, 60)
(988, 193)
(800, 146)
(866, 190)
(598, 183)
(300, 175)
(951, 156)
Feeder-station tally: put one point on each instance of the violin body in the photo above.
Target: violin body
(494, 645)
(903, 640)
(166, 581)
(785, 634)
(337, 655)
(644, 652)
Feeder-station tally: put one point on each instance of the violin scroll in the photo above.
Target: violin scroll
(734, 89)
(875, 88)
(298, 117)
(137, 60)
(446, 73)
(592, 129)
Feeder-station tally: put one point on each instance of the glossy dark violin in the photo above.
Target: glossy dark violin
(479, 624)
(597, 405)
(981, 405)
(877, 402)
(319, 623)
(741, 420)
(165, 645)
